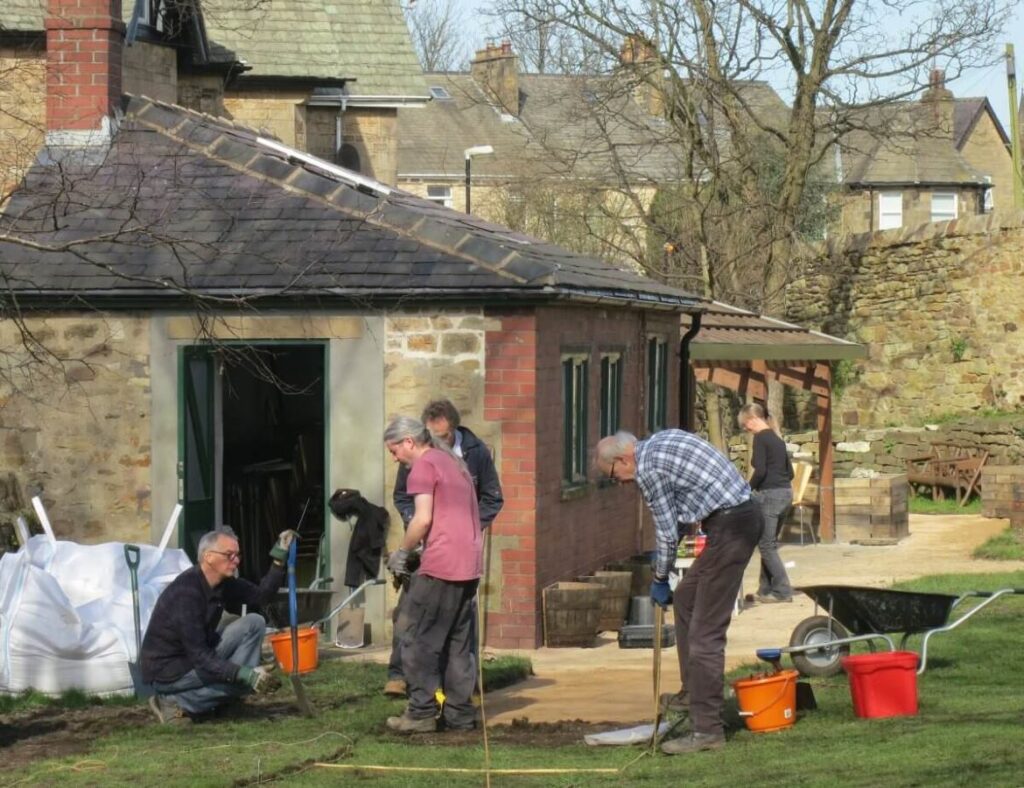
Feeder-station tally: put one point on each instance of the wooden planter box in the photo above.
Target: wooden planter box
(1002, 490)
(571, 614)
(872, 508)
(615, 596)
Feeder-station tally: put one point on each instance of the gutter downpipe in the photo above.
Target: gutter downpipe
(687, 385)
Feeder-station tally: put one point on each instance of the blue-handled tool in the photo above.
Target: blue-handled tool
(132, 557)
(293, 621)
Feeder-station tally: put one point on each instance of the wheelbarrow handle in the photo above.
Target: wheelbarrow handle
(346, 600)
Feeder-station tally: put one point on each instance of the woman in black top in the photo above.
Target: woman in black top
(771, 482)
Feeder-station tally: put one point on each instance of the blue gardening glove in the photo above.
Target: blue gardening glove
(279, 552)
(661, 594)
(398, 562)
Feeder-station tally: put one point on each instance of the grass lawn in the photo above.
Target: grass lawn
(923, 504)
(970, 731)
(1007, 546)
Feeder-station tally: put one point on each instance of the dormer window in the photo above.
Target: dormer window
(440, 93)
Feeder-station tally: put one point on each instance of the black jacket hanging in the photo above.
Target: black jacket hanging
(368, 537)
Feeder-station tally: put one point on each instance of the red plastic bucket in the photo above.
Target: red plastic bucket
(883, 685)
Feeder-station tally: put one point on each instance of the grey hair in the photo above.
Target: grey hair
(209, 539)
(754, 410)
(615, 446)
(404, 427)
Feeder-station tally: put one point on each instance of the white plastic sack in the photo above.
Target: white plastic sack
(66, 614)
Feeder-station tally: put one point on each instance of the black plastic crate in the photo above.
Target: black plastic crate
(642, 636)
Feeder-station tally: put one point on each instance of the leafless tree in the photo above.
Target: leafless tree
(436, 31)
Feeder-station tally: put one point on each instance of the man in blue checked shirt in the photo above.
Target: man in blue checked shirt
(686, 479)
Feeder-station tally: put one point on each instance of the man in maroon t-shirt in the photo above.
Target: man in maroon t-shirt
(436, 616)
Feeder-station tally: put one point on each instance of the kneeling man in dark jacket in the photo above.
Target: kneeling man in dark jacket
(193, 667)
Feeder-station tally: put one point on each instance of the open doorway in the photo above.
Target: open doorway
(253, 448)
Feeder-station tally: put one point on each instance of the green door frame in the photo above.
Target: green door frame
(187, 396)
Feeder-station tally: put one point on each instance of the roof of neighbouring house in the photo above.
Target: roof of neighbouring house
(22, 15)
(583, 126)
(364, 40)
(966, 113)
(902, 144)
(185, 206)
(728, 333)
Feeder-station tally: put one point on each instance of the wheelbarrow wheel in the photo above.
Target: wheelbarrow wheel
(826, 661)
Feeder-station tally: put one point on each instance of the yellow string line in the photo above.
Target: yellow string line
(265, 743)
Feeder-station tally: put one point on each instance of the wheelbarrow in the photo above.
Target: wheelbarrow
(856, 614)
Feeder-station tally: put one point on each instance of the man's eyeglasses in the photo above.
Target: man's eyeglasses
(611, 470)
(231, 556)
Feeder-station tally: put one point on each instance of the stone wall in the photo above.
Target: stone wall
(151, 70)
(75, 429)
(22, 112)
(984, 150)
(860, 213)
(939, 307)
(887, 450)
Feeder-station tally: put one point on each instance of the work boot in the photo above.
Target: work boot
(395, 688)
(768, 599)
(168, 712)
(678, 703)
(695, 742)
(407, 724)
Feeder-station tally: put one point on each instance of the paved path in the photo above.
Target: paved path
(607, 683)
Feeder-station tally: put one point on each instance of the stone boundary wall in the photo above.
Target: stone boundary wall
(939, 307)
(886, 450)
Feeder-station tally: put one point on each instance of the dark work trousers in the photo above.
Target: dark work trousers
(703, 603)
(395, 661)
(436, 625)
(774, 504)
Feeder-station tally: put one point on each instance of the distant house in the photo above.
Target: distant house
(927, 161)
(326, 78)
(229, 323)
(572, 153)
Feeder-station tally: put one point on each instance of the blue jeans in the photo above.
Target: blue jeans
(239, 643)
(774, 504)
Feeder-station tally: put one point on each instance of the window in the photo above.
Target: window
(440, 93)
(988, 201)
(944, 206)
(442, 195)
(657, 384)
(611, 392)
(574, 398)
(890, 210)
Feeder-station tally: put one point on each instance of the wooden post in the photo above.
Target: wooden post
(826, 488)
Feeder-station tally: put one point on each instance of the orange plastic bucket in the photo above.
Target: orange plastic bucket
(767, 701)
(308, 656)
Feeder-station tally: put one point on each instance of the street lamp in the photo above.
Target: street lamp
(476, 150)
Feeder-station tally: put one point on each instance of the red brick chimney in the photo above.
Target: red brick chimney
(84, 41)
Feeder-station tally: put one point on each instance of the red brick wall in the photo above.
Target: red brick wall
(547, 533)
(510, 400)
(83, 53)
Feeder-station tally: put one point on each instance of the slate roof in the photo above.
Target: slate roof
(367, 40)
(898, 145)
(184, 204)
(582, 126)
(729, 333)
(966, 112)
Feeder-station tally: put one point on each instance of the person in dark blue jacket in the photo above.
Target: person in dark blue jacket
(193, 666)
(443, 421)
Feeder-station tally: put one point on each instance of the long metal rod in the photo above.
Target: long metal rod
(838, 642)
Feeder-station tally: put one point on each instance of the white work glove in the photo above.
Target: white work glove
(397, 562)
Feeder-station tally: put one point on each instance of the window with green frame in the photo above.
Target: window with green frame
(657, 384)
(574, 431)
(611, 392)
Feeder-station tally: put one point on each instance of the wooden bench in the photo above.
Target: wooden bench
(949, 466)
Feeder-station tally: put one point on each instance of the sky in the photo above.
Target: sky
(990, 83)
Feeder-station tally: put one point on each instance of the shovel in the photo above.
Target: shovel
(293, 621)
(659, 621)
(131, 557)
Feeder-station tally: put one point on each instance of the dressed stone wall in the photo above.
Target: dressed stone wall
(75, 429)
